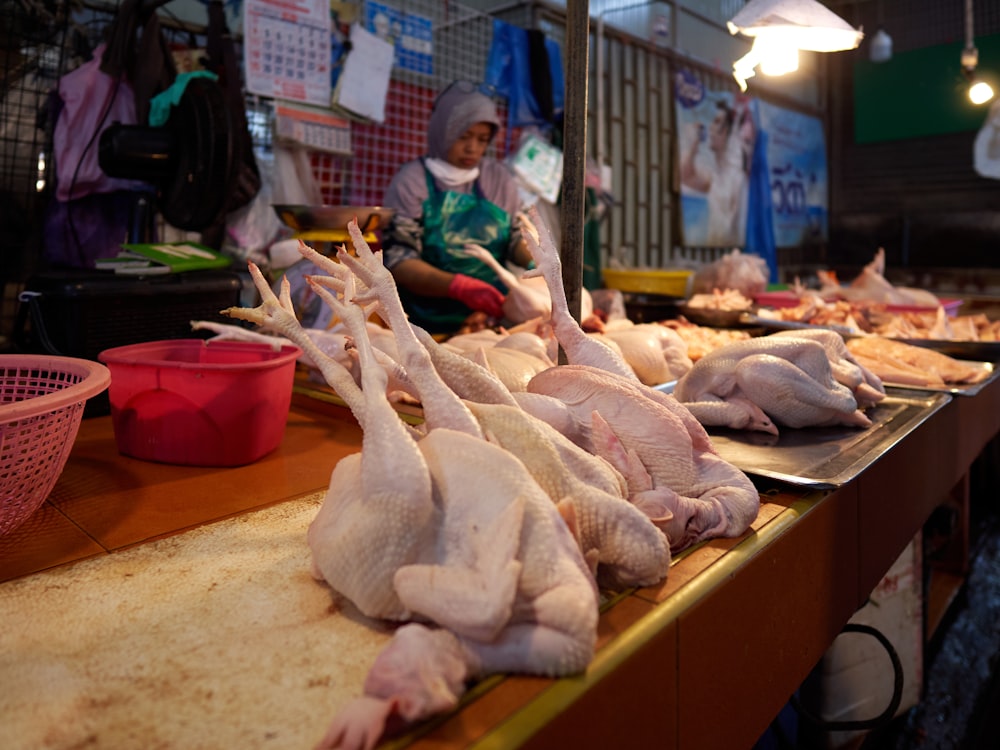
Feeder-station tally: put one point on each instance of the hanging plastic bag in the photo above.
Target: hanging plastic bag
(90, 101)
(986, 149)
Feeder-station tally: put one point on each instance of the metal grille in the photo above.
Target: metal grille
(32, 51)
(461, 38)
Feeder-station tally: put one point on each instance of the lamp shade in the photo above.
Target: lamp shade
(816, 27)
(787, 24)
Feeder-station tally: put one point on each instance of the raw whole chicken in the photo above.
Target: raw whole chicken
(514, 367)
(656, 353)
(401, 535)
(673, 472)
(619, 541)
(864, 384)
(872, 286)
(580, 348)
(611, 532)
(527, 297)
(786, 379)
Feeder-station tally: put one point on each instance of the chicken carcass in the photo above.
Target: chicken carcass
(787, 379)
(527, 296)
(400, 535)
(655, 353)
(674, 473)
(865, 386)
(512, 366)
(620, 542)
(589, 492)
(872, 286)
(579, 347)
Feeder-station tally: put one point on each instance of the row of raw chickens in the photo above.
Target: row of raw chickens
(487, 528)
(530, 481)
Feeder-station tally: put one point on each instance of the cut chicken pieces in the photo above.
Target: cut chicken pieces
(796, 379)
(905, 364)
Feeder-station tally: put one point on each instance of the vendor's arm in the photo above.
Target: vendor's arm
(420, 277)
(426, 280)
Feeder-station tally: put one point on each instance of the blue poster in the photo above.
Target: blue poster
(797, 170)
(715, 136)
(410, 34)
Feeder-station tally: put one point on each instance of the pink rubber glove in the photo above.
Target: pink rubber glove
(476, 294)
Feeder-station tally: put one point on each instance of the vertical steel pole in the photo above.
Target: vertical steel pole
(575, 150)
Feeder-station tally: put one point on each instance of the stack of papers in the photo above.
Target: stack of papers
(142, 260)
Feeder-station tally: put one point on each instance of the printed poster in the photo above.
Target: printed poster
(797, 173)
(716, 134)
(410, 34)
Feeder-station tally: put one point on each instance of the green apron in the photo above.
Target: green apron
(452, 220)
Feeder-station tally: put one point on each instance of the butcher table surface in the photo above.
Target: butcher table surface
(766, 604)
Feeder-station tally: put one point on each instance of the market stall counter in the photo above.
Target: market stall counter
(737, 625)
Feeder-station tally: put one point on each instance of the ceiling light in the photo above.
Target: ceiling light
(980, 91)
(780, 28)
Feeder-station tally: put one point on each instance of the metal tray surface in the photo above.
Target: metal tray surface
(828, 457)
(310, 218)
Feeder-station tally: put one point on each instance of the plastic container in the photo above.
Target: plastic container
(186, 401)
(666, 282)
(41, 405)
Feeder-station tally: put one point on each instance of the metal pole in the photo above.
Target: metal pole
(575, 150)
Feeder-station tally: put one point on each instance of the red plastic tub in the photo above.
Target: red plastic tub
(186, 401)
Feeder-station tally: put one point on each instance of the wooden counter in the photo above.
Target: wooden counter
(735, 628)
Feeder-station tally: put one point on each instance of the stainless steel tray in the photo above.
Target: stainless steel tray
(827, 457)
(310, 218)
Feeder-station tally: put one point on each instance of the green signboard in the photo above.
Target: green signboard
(921, 92)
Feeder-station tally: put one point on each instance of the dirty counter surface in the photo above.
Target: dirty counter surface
(176, 601)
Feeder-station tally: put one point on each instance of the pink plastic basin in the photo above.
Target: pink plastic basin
(189, 402)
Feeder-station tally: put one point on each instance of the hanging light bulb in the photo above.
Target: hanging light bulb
(780, 28)
(980, 91)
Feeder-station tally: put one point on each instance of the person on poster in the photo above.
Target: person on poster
(453, 196)
(720, 171)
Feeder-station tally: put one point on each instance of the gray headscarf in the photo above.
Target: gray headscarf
(455, 111)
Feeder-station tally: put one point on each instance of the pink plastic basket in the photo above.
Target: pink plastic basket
(41, 405)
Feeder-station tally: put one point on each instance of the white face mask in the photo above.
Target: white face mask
(449, 174)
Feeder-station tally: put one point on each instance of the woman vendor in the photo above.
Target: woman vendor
(451, 197)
